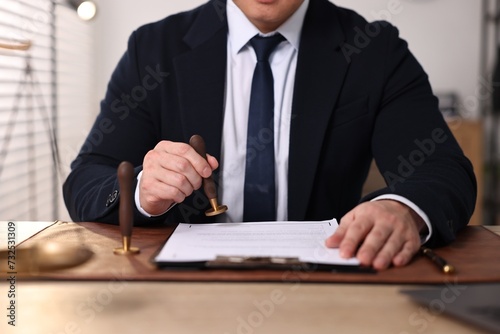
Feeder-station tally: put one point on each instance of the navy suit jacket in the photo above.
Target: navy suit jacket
(359, 94)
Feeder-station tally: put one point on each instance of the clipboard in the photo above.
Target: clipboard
(268, 263)
(260, 245)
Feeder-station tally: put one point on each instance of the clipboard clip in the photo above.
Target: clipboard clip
(251, 262)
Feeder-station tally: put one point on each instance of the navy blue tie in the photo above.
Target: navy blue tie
(260, 192)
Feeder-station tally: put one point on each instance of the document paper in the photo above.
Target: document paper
(302, 240)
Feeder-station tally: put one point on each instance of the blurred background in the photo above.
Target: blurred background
(56, 57)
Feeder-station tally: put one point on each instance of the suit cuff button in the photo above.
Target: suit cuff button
(112, 198)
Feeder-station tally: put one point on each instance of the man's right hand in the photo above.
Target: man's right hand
(171, 172)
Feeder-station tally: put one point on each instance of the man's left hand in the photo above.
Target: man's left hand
(379, 233)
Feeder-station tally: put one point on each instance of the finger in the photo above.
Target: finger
(212, 161)
(165, 168)
(178, 172)
(159, 195)
(393, 246)
(156, 197)
(196, 161)
(336, 238)
(162, 181)
(161, 184)
(355, 234)
(374, 242)
(186, 181)
(410, 248)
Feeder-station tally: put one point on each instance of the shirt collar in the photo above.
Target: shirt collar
(241, 30)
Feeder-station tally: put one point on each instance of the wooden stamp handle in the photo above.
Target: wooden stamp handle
(198, 144)
(126, 211)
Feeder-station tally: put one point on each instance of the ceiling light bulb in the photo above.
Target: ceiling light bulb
(87, 10)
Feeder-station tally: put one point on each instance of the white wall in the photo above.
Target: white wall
(443, 34)
(76, 91)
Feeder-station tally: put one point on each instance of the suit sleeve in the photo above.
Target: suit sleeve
(123, 130)
(415, 150)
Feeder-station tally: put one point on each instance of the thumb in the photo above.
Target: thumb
(336, 238)
(212, 162)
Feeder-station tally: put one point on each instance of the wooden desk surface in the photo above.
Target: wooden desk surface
(132, 307)
(157, 307)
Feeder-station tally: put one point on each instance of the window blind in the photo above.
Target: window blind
(44, 91)
(27, 110)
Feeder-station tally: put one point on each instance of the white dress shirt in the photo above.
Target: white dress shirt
(241, 61)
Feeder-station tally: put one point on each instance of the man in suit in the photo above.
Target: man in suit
(345, 91)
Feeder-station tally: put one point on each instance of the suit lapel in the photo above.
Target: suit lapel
(321, 69)
(201, 75)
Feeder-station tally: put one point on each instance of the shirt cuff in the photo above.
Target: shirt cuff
(423, 237)
(138, 201)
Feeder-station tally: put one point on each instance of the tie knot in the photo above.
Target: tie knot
(264, 46)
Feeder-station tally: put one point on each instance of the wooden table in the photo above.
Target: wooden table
(116, 306)
(133, 307)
